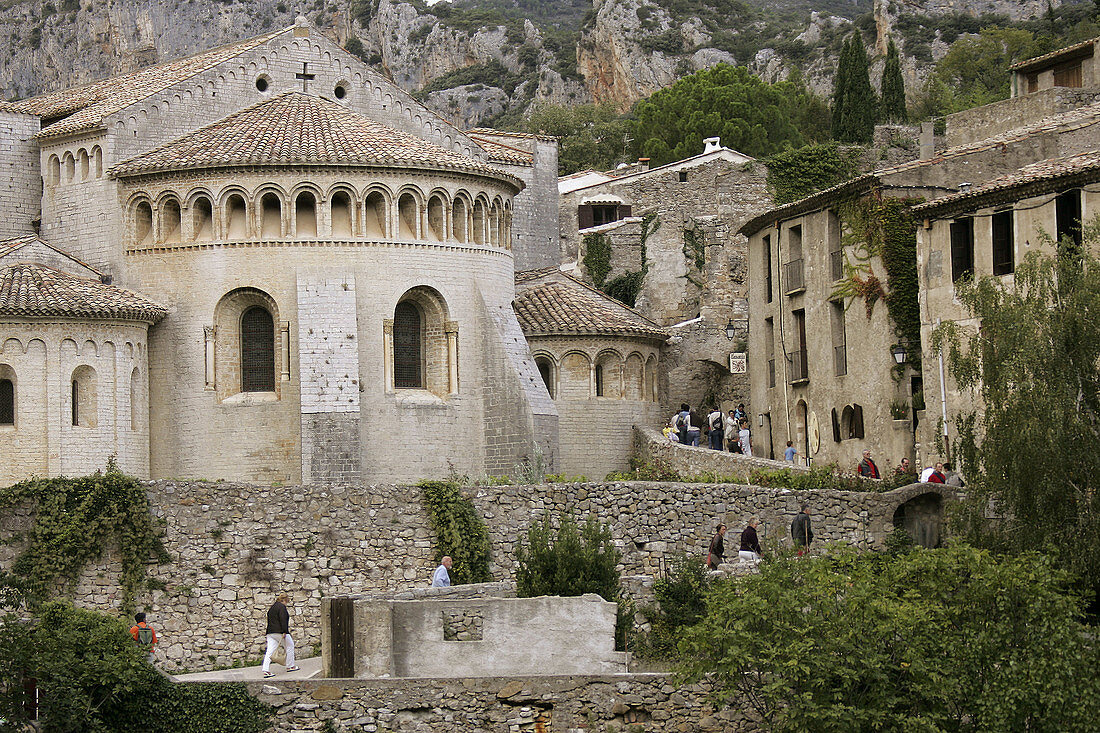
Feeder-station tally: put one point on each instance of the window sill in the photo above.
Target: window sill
(418, 398)
(245, 399)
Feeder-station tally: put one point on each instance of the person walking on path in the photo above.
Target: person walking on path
(145, 636)
(801, 532)
(750, 543)
(682, 421)
(867, 467)
(790, 453)
(441, 578)
(904, 468)
(937, 476)
(717, 552)
(732, 438)
(717, 429)
(953, 478)
(278, 634)
(694, 428)
(746, 446)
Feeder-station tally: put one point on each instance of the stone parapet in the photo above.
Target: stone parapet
(688, 460)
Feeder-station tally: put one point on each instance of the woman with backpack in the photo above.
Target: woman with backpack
(145, 635)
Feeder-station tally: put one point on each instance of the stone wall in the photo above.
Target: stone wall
(992, 119)
(20, 178)
(545, 704)
(688, 460)
(234, 546)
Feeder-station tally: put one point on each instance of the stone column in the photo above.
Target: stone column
(387, 354)
(209, 357)
(284, 334)
(451, 329)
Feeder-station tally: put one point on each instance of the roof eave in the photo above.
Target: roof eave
(849, 189)
(986, 199)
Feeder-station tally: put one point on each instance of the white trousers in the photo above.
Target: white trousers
(273, 642)
(747, 555)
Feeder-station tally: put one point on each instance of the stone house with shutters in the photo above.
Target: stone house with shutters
(600, 362)
(312, 275)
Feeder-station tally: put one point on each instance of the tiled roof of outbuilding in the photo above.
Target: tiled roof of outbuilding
(1046, 176)
(11, 107)
(30, 289)
(549, 302)
(294, 128)
(85, 106)
(502, 153)
(1076, 49)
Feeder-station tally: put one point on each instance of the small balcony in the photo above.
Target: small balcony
(794, 277)
(836, 265)
(840, 360)
(799, 367)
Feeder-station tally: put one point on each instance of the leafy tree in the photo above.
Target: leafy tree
(591, 136)
(1033, 450)
(681, 602)
(855, 107)
(569, 561)
(459, 531)
(749, 115)
(931, 640)
(893, 87)
(795, 174)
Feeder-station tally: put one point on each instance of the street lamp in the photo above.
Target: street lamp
(899, 353)
(731, 330)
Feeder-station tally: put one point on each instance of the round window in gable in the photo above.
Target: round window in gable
(262, 83)
(341, 90)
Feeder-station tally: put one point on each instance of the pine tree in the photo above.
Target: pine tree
(855, 106)
(893, 87)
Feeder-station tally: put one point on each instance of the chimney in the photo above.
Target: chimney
(643, 164)
(927, 139)
(964, 188)
(711, 144)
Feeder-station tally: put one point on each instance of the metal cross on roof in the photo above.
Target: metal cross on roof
(305, 76)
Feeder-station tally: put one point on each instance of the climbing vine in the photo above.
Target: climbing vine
(597, 257)
(884, 228)
(459, 531)
(795, 174)
(625, 287)
(695, 245)
(75, 519)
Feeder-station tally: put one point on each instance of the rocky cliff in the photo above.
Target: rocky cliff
(475, 62)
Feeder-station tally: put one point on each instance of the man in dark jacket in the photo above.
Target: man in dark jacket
(717, 552)
(867, 467)
(278, 634)
(750, 543)
(801, 532)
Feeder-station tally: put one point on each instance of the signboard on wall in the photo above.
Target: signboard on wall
(739, 363)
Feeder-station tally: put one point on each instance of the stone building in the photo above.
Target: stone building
(675, 229)
(600, 362)
(1073, 67)
(987, 230)
(335, 262)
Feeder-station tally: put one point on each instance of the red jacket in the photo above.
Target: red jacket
(937, 478)
(134, 633)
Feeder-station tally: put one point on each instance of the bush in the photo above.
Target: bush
(681, 602)
(459, 531)
(936, 640)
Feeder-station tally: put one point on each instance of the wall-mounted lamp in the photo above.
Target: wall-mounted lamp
(899, 353)
(731, 330)
(761, 420)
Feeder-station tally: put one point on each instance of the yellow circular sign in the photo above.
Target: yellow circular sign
(815, 434)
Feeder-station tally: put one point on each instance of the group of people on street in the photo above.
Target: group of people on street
(723, 432)
(802, 535)
(938, 473)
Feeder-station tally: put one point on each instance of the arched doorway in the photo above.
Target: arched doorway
(802, 429)
(922, 518)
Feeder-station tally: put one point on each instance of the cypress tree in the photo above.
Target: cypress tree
(893, 87)
(840, 91)
(858, 103)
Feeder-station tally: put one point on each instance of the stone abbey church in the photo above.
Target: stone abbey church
(267, 263)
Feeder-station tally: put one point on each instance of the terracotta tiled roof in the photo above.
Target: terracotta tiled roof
(297, 128)
(85, 106)
(549, 302)
(1050, 174)
(29, 289)
(501, 153)
(503, 133)
(10, 107)
(1074, 50)
(8, 246)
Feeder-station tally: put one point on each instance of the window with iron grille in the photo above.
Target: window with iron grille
(257, 350)
(7, 402)
(408, 372)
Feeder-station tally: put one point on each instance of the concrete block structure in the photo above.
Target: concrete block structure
(335, 264)
(468, 631)
(599, 361)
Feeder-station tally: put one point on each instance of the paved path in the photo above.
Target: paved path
(309, 668)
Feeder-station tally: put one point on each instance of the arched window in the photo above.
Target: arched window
(374, 209)
(70, 168)
(546, 369)
(340, 213)
(143, 223)
(202, 220)
(305, 216)
(608, 374)
(54, 168)
(437, 221)
(257, 350)
(85, 164)
(83, 402)
(171, 221)
(271, 217)
(458, 220)
(479, 222)
(236, 223)
(846, 423)
(7, 402)
(97, 155)
(599, 381)
(407, 215)
(408, 370)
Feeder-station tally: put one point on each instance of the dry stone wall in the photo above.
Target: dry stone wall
(234, 546)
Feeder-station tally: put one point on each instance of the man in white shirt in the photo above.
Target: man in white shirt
(717, 429)
(441, 578)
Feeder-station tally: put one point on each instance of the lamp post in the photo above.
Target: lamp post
(899, 353)
(731, 330)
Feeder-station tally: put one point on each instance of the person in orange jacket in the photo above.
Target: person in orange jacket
(145, 635)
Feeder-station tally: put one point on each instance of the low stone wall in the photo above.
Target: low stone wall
(568, 704)
(233, 546)
(687, 460)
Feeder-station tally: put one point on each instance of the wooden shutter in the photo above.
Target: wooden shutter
(257, 350)
(407, 372)
(857, 421)
(836, 427)
(624, 211)
(7, 402)
(584, 216)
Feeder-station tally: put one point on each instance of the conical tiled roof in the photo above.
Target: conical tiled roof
(295, 128)
(549, 302)
(31, 289)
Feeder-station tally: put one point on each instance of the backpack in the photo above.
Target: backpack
(681, 420)
(716, 423)
(145, 636)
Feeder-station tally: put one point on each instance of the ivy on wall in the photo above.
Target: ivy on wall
(75, 519)
(695, 245)
(459, 531)
(796, 174)
(883, 227)
(597, 257)
(625, 287)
